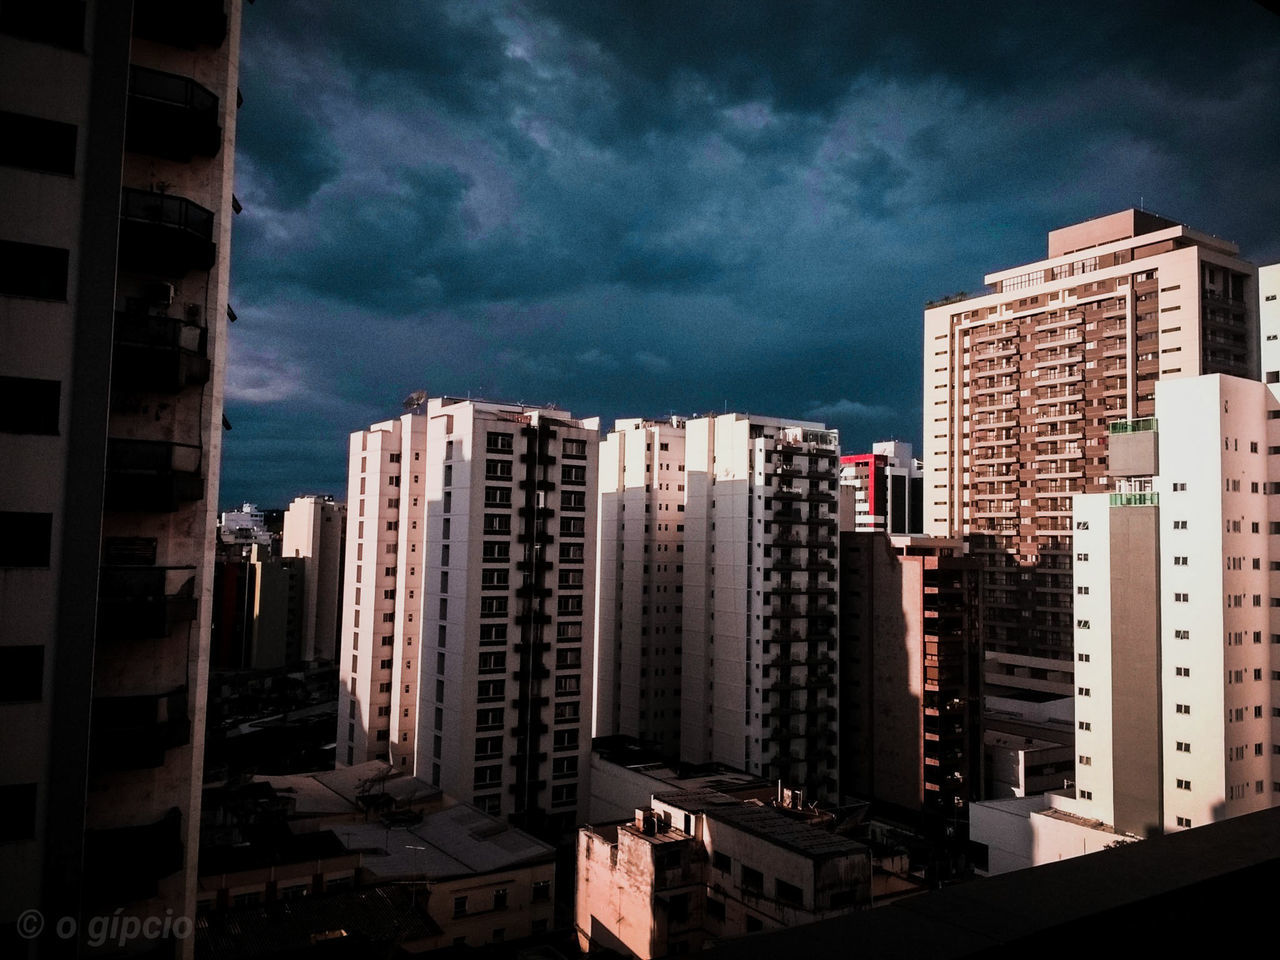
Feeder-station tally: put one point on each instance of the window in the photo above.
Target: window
(1085, 761)
(1182, 671)
(494, 579)
(488, 747)
(497, 469)
(1179, 561)
(569, 658)
(1085, 794)
(488, 776)
(30, 270)
(573, 526)
(34, 143)
(488, 690)
(21, 673)
(573, 500)
(752, 880)
(459, 906)
(1184, 784)
(25, 539)
(493, 662)
(1182, 634)
(565, 740)
(1085, 725)
(568, 632)
(573, 474)
(489, 718)
(575, 449)
(492, 634)
(1179, 524)
(568, 712)
(493, 606)
(570, 580)
(495, 523)
(499, 442)
(722, 862)
(496, 551)
(1082, 691)
(1184, 747)
(568, 686)
(1184, 821)
(787, 893)
(27, 405)
(1179, 598)
(564, 767)
(1183, 708)
(541, 891)
(1082, 557)
(564, 794)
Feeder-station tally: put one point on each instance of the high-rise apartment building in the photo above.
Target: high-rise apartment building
(117, 138)
(507, 601)
(314, 529)
(1176, 630)
(760, 590)
(888, 488)
(1177, 621)
(639, 609)
(380, 635)
(1021, 384)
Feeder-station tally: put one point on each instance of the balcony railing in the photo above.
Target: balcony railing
(125, 864)
(144, 602)
(1135, 499)
(171, 116)
(163, 233)
(190, 24)
(1143, 425)
(133, 733)
(152, 476)
(164, 354)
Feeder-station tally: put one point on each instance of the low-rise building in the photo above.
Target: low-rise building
(696, 866)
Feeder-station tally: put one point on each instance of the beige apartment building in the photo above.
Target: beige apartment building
(640, 583)
(117, 141)
(382, 594)
(508, 555)
(760, 613)
(1021, 385)
(314, 530)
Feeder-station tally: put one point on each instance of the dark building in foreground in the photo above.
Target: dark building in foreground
(117, 125)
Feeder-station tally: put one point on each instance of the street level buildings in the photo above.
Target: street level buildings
(1021, 385)
(117, 141)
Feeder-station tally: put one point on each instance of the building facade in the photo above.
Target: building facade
(118, 129)
(911, 673)
(315, 531)
(507, 604)
(699, 866)
(382, 594)
(888, 488)
(760, 613)
(639, 612)
(1021, 384)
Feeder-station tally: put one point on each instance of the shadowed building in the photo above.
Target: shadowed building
(117, 140)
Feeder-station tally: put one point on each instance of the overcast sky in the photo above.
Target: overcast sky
(638, 208)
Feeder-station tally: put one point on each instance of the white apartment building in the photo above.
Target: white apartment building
(760, 598)
(382, 594)
(314, 529)
(508, 554)
(640, 583)
(1020, 385)
(1176, 633)
(888, 489)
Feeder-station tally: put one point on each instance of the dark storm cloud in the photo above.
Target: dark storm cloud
(633, 208)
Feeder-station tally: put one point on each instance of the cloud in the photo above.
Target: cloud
(844, 409)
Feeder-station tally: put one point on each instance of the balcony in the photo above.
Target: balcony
(190, 24)
(125, 864)
(145, 603)
(133, 733)
(171, 116)
(166, 234)
(161, 354)
(152, 476)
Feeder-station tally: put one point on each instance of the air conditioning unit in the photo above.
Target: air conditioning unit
(158, 294)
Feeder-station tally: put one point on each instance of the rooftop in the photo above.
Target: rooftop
(762, 821)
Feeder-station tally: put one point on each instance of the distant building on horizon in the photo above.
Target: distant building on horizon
(315, 530)
(889, 489)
